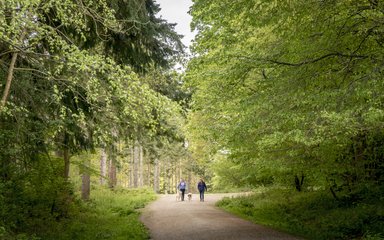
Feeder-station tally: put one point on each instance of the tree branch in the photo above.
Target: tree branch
(316, 59)
(310, 61)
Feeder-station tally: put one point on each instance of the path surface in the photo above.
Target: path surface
(168, 219)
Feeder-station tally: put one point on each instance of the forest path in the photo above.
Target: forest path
(168, 219)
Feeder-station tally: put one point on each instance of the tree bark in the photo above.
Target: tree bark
(9, 79)
(11, 70)
(66, 156)
(66, 163)
(156, 176)
(103, 166)
(168, 177)
(141, 166)
(148, 176)
(131, 167)
(112, 173)
(136, 164)
(85, 182)
(299, 183)
(189, 182)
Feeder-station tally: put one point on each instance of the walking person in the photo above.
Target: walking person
(201, 187)
(182, 186)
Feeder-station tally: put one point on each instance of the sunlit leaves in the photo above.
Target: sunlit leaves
(288, 80)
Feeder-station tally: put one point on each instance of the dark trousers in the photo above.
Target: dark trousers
(201, 196)
(182, 194)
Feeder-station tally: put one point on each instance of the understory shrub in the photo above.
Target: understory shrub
(315, 215)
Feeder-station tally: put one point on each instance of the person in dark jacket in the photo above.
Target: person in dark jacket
(202, 188)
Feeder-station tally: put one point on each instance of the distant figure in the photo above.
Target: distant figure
(201, 187)
(182, 186)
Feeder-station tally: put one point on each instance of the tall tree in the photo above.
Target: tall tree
(146, 39)
(282, 88)
(59, 92)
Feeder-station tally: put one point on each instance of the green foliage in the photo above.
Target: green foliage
(287, 89)
(108, 215)
(145, 40)
(358, 169)
(314, 215)
(36, 198)
(68, 94)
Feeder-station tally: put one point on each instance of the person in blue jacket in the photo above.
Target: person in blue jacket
(202, 188)
(182, 186)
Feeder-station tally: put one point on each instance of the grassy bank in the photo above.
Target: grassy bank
(313, 215)
(108, 215)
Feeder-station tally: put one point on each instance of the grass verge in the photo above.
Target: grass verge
(312, 215)
(108, 215)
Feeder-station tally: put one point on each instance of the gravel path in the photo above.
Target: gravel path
(168, 219)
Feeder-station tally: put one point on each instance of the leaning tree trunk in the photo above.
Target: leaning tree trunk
(11, 70)
(9, 79)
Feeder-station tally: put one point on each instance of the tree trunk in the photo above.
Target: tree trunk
(10, 74)
(299, 183)
(112, 173)
(112, 181)
(333, 193)
(136, 161)
(168, 177)
(189, 182)
(156, 176)
(131, 164)
(66, 163)
(178, 171)
(9, 79)
(103, 166)
(86, 181)
(148, 176)
(141, 166)
(66, 156)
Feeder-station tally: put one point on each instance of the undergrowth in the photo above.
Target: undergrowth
(313, 215)
(108, 215)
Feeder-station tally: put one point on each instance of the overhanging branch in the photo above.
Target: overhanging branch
(309, 61)
(316, 59)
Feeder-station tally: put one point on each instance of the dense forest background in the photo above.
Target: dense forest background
(281, 95)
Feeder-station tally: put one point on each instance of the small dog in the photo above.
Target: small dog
(189, 196)
(178, 196)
